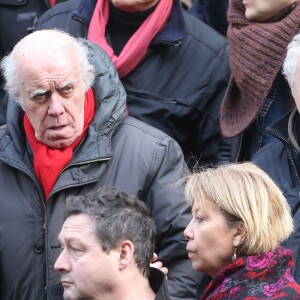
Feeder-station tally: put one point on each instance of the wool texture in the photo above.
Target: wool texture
(257, 51)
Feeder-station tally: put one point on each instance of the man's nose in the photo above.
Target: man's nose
(62, 265)
(56, 106)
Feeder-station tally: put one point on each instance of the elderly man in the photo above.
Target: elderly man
(65, 138)
(281, 159)
(107, 244)
(257, 95)
(174, 67)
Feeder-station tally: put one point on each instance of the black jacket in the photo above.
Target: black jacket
(281, 161)
(117, 151)
(157, 282)
(178, 86)
(212, 12)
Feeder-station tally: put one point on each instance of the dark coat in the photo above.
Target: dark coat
(213, 13)
(157, 282)
(117, 151)
(282, 162)
(180, 83)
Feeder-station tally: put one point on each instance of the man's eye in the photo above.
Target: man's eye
(74, 249)
(39, 97)
(67, 89)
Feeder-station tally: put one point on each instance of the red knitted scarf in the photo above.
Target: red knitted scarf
(48, 162)
(257, 52)
(136, 47)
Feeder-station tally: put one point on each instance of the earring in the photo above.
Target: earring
(233, 258)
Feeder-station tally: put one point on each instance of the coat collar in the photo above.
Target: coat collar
(173, 32)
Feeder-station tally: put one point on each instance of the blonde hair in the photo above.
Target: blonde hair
(246, 195)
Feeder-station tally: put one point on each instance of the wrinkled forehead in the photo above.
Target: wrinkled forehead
(45, 47)
(60, 63)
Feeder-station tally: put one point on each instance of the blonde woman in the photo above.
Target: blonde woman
(239, 219)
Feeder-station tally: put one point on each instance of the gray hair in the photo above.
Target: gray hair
(117, 217)
(9, 68)
(291, 60)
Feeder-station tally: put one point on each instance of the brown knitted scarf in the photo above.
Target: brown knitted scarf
(257, 52)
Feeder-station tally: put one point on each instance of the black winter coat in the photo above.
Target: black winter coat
(178, 86)
(282, 162)
(117, 151)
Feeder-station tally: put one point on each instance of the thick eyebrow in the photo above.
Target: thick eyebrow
(66, 84)
(68, 240)
(38, 92)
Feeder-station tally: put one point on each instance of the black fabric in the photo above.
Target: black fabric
(122, 25)
(278, 102)
(178, 86)
(212, 12)
(55, 292)
(282, 162)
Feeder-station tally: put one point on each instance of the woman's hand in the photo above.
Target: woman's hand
(158, 264)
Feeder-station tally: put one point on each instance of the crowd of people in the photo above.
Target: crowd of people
(149, 148)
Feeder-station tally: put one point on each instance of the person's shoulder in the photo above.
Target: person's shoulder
(138, 127)
(63, 8)
(147, 137)
(273, 152)
(269, 150)
(203, 34)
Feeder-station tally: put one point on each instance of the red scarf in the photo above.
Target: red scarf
(52, 2)
(137, 46)
(48, 162)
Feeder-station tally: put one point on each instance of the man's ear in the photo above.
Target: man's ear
(240, 235)
(126, 251)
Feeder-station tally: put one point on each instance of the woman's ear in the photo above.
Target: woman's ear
(240, 235)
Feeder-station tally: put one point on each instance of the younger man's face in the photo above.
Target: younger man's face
(86, 270)
(261, 10)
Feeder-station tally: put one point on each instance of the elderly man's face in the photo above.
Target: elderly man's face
(261, 10)
(53, 97)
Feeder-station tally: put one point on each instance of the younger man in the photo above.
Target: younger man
(107, 245)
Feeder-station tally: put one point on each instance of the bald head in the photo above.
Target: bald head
(45, 47)
(43, 44)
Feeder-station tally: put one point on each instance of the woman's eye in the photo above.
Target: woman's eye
(199, 219)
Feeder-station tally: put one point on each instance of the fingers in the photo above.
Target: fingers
(160, 266)
(154, 257)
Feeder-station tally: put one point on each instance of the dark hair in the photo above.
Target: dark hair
(118, 217)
